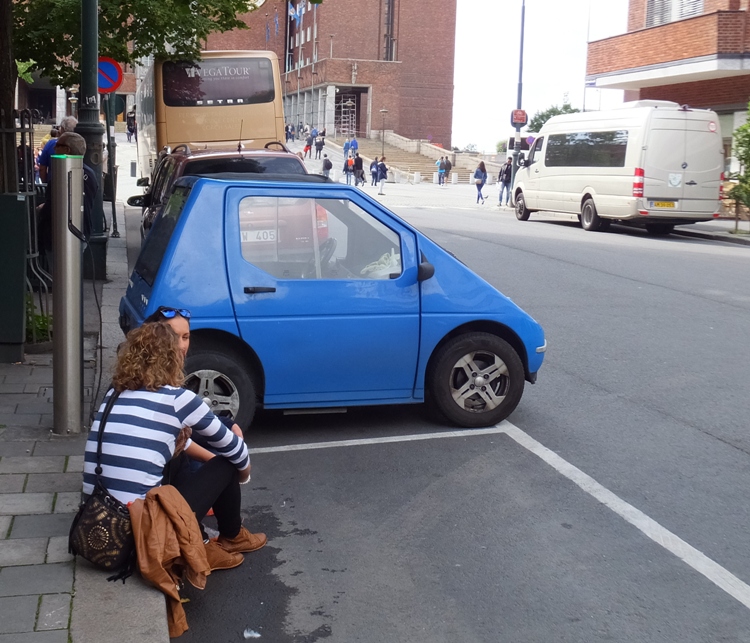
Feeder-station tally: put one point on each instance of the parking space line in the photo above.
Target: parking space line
(701, 563)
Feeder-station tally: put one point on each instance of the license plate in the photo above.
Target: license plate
(662, 204)
(254, 236)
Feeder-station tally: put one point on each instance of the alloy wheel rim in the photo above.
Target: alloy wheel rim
(217, 390)
(479, 381)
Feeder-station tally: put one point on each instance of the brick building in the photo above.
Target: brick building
(344, 61)
(693, 52)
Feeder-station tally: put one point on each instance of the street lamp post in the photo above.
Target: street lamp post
(383, 112)
(517, 146)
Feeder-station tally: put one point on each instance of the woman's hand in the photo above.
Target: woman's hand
(244, 475)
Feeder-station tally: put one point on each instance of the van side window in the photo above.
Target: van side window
(587, 149)
(304, 238)
(536, 151)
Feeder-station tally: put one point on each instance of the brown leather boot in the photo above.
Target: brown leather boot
(220, 558)
(243, 542)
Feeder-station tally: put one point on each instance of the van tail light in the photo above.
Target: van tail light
(638, 182)
(721, 187)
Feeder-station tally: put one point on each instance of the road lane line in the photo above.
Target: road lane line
(701, 563)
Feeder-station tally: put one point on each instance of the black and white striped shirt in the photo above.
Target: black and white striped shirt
(139, 439)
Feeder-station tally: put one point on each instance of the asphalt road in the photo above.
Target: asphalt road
(488, 537)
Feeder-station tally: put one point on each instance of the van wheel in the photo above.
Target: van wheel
(476, 380)
(522, 212)
(590, 220)
(224, 383)
(659, 229)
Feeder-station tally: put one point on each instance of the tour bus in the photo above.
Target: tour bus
(226, 97)
(648, 163)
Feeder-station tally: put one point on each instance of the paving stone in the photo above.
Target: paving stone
(39, 359)
(23, 551)
(75, 464)
(36, 579)
(33, 407)
(26, 433)
(18, 614)
(7, 407)
(15, 504)
(41, 464)
(8, 449)
(12, 482)
(11, 387)
(63, 445)
(33, 388)
(47, 421)
(52, 482)
(39, 375)
(11, 419)
(39, 526)
(51, 636)
(57, 550)
(15, 372)
(4, 526)
(67, 501)
(54, 612)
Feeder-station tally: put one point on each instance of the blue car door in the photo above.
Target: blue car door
(324, 286)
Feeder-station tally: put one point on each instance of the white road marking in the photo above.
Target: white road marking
(701, 563)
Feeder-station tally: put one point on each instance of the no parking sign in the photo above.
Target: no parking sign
(110, 75)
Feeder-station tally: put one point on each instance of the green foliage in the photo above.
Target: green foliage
(540, 118)
(37, 325)
(501, 147)
(741, 191)
(471, 148)
(49, 31)
(23, 70)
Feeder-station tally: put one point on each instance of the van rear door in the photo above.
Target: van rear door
(682, 163)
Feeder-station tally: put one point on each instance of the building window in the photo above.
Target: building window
(660, 12)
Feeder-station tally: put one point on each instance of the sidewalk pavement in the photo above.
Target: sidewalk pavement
(45, 596)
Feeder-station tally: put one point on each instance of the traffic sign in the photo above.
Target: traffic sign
(518, 118)
(110, 75)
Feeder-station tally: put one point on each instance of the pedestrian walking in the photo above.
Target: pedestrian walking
(480, 178)
(327, 166)
(349, 170)
(448, 168)
(374, 171)
(504, 179)
(354, 145)
(308, 146)
(130, 125)
(441, 170)
(382, 175)
(359, 171)
(319, 143)
(347, 145)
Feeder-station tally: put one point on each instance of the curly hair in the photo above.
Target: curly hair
(150, 359)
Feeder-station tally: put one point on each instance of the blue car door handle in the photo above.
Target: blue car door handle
(252, 290)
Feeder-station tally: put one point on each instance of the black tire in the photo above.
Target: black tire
(487, 355)
(590, 220)
(522, 212)
(224, 382)
(659, 229)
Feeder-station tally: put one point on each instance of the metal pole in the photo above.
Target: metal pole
(517, 145)
(67, 344)
(383, 112)
(90, 128)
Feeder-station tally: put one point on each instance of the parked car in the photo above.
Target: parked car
(291, 315)
(275, 159)
(649, 163)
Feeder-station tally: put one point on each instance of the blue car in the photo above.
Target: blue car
(312, 295)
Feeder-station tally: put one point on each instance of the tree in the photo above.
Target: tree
(47, 33)
(740, 193)
(471, 148)
(501, 147)
(540, 118)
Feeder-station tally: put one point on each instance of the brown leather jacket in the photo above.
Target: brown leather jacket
(168, 543)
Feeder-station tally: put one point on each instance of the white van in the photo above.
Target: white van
(648, 163)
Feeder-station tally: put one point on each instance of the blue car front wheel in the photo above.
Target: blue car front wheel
(476, 380)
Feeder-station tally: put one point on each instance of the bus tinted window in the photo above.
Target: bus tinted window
(218, 82)
(587, 149)
(157, 240)
(245, 165)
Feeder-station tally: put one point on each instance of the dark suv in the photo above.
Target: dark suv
(182, 161)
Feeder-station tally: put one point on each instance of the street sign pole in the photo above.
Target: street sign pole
(517, 146)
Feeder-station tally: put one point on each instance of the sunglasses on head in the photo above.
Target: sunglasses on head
(169, 313)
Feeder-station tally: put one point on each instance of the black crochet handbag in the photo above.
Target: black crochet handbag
(101, 531)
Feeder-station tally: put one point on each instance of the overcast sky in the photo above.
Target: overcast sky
(554, 63)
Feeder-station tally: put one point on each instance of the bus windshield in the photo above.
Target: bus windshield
(216, 82)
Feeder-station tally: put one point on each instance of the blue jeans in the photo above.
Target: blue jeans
(348, 178)
(505, 187)
(479, 192)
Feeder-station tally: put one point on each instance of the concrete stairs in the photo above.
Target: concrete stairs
(396, 158)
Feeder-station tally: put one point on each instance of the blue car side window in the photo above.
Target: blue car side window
(305, 238)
